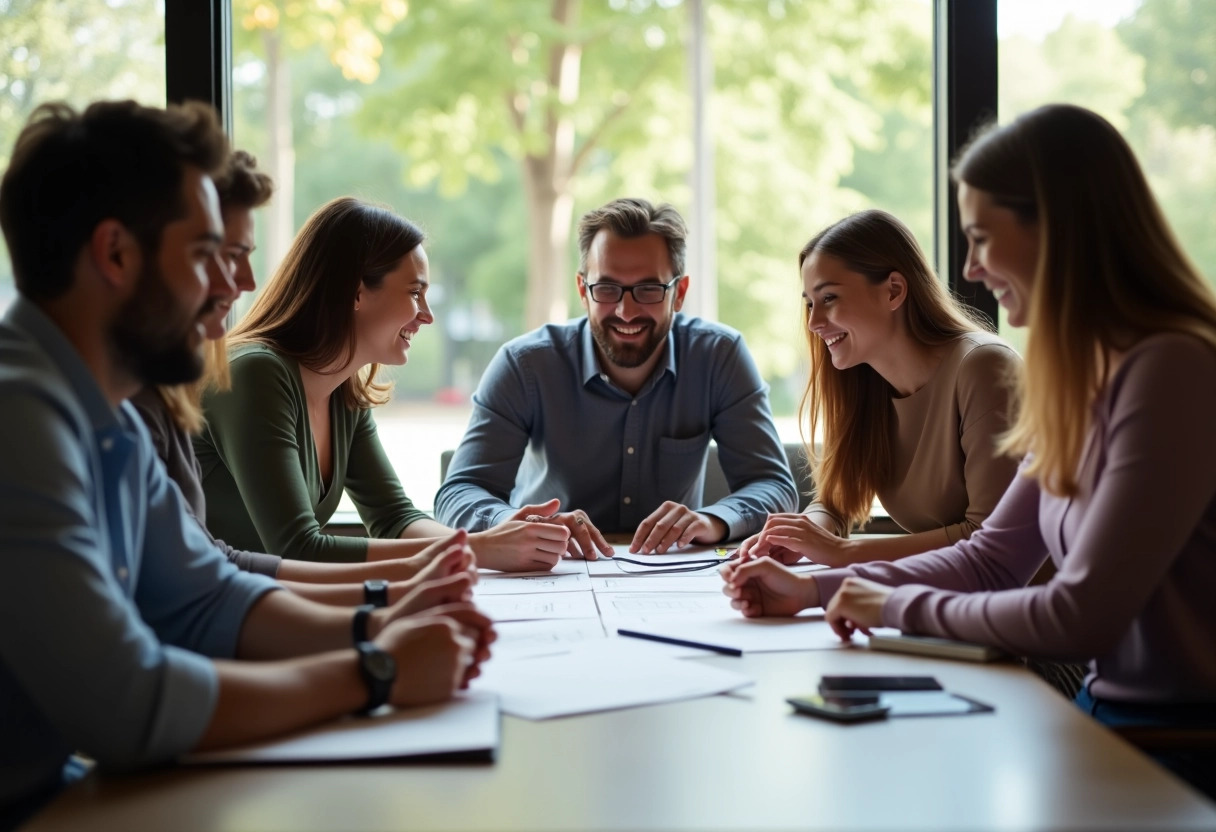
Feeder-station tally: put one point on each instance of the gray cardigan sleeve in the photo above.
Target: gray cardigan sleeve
(176, 451)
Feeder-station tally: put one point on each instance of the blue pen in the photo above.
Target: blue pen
(679, 642)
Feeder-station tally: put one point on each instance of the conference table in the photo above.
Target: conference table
(743, 760)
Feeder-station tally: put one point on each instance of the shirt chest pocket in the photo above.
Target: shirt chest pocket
(681, 462)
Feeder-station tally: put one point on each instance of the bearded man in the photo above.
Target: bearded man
(603, 424)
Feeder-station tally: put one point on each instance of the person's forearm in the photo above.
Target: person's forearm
(399, 569)
(341, 595)
(261, 700)
(282, 625)
(378, 550)
(425, 529)
(894, 547)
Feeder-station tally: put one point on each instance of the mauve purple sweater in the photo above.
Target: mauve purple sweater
(1136, 548)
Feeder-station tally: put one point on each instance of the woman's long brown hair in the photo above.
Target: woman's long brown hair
(307, 310)
(1109, 271)
(854, 405)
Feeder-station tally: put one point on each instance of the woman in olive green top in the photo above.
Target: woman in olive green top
(173, 414)
(911, 394)
(295, 430)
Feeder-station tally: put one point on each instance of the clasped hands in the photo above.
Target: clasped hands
(760, 585)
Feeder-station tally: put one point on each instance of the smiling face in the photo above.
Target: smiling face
(388, 317)
(1002, 250)
(856, 319)
(628, 333)
(159, 331)
(238, 244)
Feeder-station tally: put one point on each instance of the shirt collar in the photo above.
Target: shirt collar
(31, 320)
(590, 360)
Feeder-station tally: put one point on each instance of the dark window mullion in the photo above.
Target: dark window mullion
(964, 97)
(198, 54)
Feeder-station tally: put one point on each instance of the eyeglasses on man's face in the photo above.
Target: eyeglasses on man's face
(647, 293)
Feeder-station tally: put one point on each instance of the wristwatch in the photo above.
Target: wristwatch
(378, 670)
(358, 626)
(375, 592)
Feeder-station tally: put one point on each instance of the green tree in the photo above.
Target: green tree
(591, 101)
(1178, 41)
(350, 34)
(75, 51)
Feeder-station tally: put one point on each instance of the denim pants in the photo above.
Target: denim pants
(1197, 767)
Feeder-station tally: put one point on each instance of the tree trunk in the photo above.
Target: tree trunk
(547, 185)
(281, 153)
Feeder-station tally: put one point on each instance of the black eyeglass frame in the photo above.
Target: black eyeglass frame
(632, 290)
(675, 566)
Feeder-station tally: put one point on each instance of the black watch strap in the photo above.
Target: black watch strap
(359, 624)
(379, 671)
(375, 592)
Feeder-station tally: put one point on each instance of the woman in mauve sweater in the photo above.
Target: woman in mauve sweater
(1118, 482)
(911, 394)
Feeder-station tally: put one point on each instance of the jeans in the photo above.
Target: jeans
(1195, 766)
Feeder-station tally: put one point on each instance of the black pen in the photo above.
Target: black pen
(717, 648)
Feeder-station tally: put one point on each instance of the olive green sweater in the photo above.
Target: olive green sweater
(260, 471)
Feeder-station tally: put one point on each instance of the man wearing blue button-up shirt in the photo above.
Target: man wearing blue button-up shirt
(602, 424)
(119, 619)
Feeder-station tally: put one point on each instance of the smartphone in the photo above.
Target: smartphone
(835, 685)
(840, 708)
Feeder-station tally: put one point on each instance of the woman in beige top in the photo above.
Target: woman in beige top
(911, 394)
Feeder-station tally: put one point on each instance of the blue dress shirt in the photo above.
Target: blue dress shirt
(112, 594)
(547, 422)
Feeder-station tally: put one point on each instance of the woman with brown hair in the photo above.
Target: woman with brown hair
(174, 413)
(1118, 488)
(910, 392)
(295, 430)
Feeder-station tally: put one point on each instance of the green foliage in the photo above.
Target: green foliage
(75, 51)
(1178, 41)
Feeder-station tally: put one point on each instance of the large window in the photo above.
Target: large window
(1149, 66)
(75, 51)
(496, 125)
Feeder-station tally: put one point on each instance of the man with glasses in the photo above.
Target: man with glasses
(602, 424)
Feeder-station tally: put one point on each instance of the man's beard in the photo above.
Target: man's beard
(151, 336)
(628, 356)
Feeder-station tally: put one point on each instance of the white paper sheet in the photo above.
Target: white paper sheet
(566, 566)
(526, 607)
(619, 609)
(751, 635)
(593, 679)
(467, 724)
(658, 583)
(568, 582)
(528, 639)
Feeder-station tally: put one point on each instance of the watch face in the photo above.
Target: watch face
(380, 665)
(376, 584)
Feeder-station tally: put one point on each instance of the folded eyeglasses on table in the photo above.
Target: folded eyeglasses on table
(694, 564)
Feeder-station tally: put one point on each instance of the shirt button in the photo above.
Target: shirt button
(629, 450)
(603, 376)
(628, 501)
(122, 573)
(633, 403)
(107, 444)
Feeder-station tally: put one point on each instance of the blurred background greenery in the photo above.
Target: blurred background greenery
(494, 125)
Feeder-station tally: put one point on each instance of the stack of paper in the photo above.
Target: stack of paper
(592, 678)
(466, 728)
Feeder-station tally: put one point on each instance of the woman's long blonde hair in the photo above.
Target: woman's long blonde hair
(307, 309)
(1109, 271)
(240, 185)
(854, 405)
